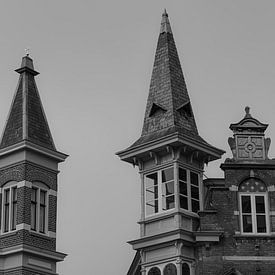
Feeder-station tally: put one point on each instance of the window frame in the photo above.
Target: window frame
(252, 196)
(40, 188)
(160, 196)
(8, 224)
(189, 186)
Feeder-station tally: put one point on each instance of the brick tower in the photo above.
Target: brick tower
(170, 156)
(28, 184)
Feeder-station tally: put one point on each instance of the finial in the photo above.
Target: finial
(27, 50)
(247, 111)
(165, 25)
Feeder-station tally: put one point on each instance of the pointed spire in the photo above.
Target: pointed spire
(168, 104)
(26, 119)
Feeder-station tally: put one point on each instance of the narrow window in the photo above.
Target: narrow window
(168, 192)
(195, 196)
(33, 208)
(14, 208)
(183, 188)
(151, 196)
(6, 209)
(42, 212)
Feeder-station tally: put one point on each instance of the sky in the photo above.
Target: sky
(95, 60)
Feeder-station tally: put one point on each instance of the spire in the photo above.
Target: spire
(26, 119)
(168, 105)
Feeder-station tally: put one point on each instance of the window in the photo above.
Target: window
(189, 190)
(170, 269)
(38, 209)
(185, 269)
(154, 271)
(9, 209)
(253, 207)
(159, 191)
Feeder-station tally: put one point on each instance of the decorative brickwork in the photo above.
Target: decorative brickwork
(24, 205)
(52, 213)
(29, 172)
(27, 237)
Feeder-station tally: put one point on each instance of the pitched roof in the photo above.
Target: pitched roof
(168, 103)
(26, 119)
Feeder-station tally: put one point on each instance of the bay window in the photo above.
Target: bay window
(160, 189)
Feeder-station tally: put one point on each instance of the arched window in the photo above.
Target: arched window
(154, 271)
(253, 207)
(185, 269)
(170, 269)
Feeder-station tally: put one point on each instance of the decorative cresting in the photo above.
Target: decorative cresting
(249, 142)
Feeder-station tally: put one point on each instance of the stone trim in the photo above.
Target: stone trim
(234, 188)
(248, 258)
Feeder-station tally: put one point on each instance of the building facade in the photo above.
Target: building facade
(189, 225)
(28, 184)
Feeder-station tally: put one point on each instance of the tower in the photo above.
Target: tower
(28, 184)
(170, 155)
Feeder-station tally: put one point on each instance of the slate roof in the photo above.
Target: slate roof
(168, 108)
(26, 119)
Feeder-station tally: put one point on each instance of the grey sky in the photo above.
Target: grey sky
(95, 60)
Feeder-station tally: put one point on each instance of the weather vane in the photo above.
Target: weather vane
(27, 51)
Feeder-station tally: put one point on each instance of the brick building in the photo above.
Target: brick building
(190, 225)
(28, 184)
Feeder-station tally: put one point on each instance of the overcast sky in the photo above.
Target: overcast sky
(95, 58)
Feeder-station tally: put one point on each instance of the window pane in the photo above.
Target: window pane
(151, 180)
(43, 197)
(183, 202)
(33, 216)
(168, 202)
(183, 188)
(42, 219)
(152, 193)
(13, 218)
(7, 213)
(7, 195)
(260, 206)
(195, 192)
(14, 194)
(195, 206)
(247, 223)
(168, 188)
(261, 224)
(167, 174)
(246, 204)
(33, 194)
(152, 207)
(182, 174)
(194, 178)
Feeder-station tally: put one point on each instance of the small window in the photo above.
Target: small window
(159, 191)
(10, 209)
(189, 190)
(170, 269)
(253, 207)
(38, 208)
(154, 271)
